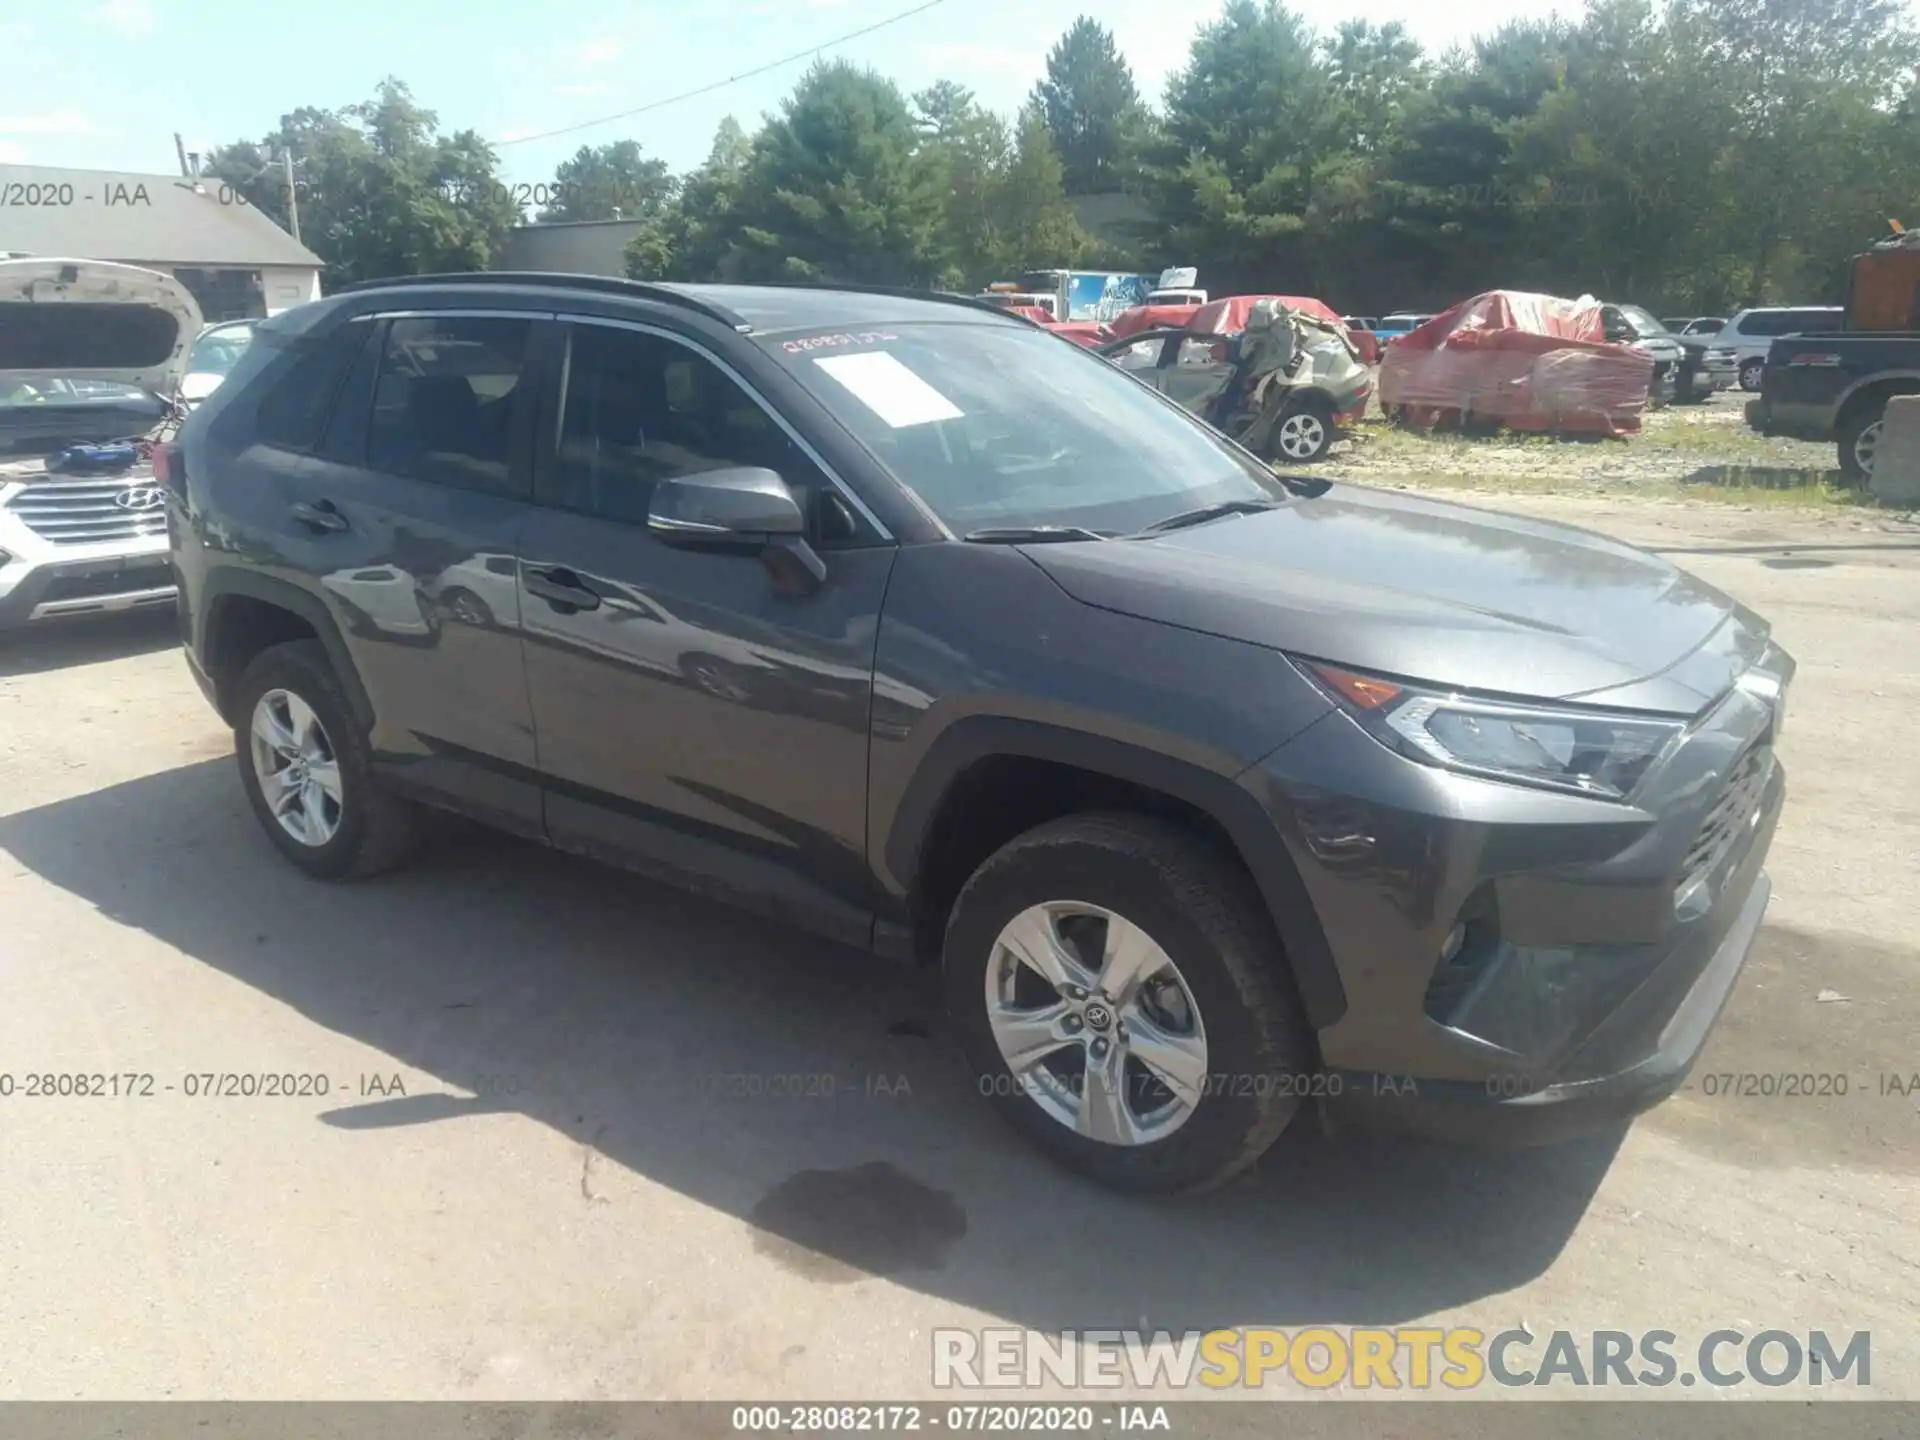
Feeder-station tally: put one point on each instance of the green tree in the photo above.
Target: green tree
(1037, 225)
(1092, 110)
(609, 182)
(380, 190)
(690, 236)
(966, 151)
(1251, 122)
(836, 189)
(1814, 88)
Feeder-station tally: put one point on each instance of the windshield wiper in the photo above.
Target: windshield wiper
(1032, 534)
(1205, 513)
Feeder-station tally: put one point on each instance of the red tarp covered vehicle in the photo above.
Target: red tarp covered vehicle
(1534, 362)
(1083, 332)
(1150, 317)
(1226, 317)
(1229, 316)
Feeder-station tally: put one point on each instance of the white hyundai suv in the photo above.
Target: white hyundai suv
(91, 357)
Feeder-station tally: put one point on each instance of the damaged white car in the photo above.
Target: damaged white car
(91, 359)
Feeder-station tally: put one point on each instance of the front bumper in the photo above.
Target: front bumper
(66, 549)
(98, 584)
(1602, 939)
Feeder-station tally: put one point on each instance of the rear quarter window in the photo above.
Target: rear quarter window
(299, 390)
(1815, 321)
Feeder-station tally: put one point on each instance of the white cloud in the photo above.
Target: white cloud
(47, 122)
(601, 50)
(12, 152)
(129, 17)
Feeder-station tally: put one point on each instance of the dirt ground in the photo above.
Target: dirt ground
(537, 1172)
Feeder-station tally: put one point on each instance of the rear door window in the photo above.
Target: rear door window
(444, 405)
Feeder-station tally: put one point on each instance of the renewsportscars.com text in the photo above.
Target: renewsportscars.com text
(1406, 1357)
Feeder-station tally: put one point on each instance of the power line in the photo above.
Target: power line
(708, 89)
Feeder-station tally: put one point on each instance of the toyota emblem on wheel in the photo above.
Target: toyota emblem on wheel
(139, 497)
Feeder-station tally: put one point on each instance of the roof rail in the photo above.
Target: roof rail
(905, 292)
(606, 284)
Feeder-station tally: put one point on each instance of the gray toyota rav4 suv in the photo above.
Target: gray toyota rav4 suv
(1213, 793)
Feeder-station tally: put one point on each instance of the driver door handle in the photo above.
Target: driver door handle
(319, 515)
(562, 589)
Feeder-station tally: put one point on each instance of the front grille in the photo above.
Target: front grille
(108, 582)
(87, 512)
(1730, 818)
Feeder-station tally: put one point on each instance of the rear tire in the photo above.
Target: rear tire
(1858, 437)
(1207, 1053)
(294, 728)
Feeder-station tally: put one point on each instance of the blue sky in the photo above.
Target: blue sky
(104, 84)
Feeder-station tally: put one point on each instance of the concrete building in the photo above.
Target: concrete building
(583, 247)
(237, 263)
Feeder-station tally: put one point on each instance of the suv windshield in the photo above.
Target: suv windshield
(1643, 321)
(219, 350)
(1002, 425)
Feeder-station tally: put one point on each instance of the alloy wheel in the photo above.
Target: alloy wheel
(298, 770)
(1302, 436)
(1096, 1023)
(1865, 444)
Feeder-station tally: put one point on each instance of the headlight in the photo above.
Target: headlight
(1588, 752)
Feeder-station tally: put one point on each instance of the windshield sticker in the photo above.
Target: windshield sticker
(827, 342)
(889, 389)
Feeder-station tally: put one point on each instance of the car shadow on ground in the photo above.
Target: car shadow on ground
(57, 645)
(809, 1090)
(1764, 477)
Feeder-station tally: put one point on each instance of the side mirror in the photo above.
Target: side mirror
(741, 509)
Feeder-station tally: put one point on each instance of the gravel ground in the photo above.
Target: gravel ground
(1705, 450)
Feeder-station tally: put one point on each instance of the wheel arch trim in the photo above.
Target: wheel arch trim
(227, 583)
(1238, 813)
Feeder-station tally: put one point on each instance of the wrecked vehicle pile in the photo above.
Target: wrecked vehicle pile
(1276, 373)
(1531, 362)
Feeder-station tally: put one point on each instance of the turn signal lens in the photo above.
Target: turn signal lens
(1363, 692)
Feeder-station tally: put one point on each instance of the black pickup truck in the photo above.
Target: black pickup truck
(1836, 387)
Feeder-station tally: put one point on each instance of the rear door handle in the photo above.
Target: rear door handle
(320, 515)
(562, 589)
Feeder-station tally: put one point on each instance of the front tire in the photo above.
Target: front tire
(307, 768)
(1751, 374)
(1121, 994)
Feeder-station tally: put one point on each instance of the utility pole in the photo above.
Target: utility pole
(293, 202)
(180, 149)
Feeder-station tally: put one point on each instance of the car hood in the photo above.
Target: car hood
(1431, 591)
(93, 320)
